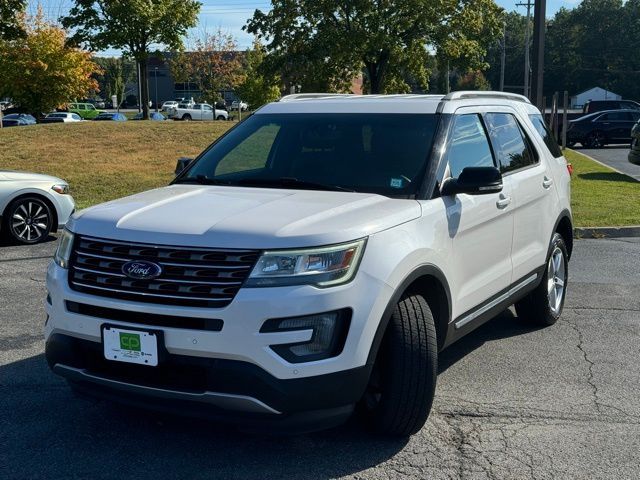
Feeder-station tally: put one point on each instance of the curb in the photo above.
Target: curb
(607, 232)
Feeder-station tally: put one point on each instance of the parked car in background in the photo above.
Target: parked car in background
(111, 116)
(196, 111)
(239, 104)
(24, 117)
(155, 116)
(32, 205)
(594, 106)
(4, 105)
(169, 104)
(13, 122)
(62, 117)
(599, 129)
(634, 154)
(86, 110)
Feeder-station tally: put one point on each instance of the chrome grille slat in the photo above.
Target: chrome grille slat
(150, 294)
(192, 277)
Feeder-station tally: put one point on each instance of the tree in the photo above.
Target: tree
(133, 26)
(257, 88)
(515, 28)
(387, 39)
(474, 80)
(40, 71)
(11, 19)
(213, 64)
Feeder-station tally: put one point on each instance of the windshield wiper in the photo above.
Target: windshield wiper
(202, 180)
(289, 182)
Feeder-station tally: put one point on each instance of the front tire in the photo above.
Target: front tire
(403, 381)
(28, 220)
(220, 117)
(186, 117)
(544, 305)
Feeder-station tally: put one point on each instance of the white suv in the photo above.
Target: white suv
(315, 259)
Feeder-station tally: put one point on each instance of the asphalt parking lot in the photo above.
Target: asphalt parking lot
(512, 402)
(614, 156)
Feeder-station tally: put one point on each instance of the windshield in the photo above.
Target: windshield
(375, 153)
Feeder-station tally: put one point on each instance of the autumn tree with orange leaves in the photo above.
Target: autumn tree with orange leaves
(40, 72)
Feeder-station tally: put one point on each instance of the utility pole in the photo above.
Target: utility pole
(527, 44)
(503, 55)
(539, 17)
(155, 70)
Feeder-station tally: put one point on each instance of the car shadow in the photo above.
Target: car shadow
(607, 176)
(49, 433)
(5, 242)
(505, 325)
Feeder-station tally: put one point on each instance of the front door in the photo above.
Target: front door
(480, 226)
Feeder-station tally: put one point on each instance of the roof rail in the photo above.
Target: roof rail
(484, 94)
(302, 96)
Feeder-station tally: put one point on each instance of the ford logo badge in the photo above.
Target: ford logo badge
(141, 270)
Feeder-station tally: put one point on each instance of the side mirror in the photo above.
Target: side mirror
(474, 181)
(183, 162)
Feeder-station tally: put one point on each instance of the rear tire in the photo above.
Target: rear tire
(544, 305)
(403, 381)
(595, 140)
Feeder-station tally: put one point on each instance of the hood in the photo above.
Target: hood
(28, 177)
(238, 217)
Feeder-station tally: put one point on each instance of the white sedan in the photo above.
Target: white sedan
(32, 206)
(62, 117)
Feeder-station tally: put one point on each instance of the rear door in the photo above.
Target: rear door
(480, 226)
(533, 192)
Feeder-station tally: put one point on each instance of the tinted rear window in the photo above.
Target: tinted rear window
(549, 141)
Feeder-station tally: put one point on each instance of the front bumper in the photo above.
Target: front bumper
(205, 367)
(634, 153)
(223, 390)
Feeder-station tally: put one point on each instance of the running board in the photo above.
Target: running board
(509, 293)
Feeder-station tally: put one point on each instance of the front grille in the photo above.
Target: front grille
(195, 277)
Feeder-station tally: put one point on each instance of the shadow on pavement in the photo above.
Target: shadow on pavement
(47, 432)
(50, 433)
(504, 325)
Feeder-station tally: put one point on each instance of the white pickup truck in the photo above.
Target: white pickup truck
(196, 111)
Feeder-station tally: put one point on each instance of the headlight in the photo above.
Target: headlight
(63, 252)
(323, 267)
(61, 188)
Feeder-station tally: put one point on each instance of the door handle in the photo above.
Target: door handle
(547, 182)
(503, 201)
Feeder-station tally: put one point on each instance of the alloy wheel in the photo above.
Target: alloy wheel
(556, 280)
(30, 221)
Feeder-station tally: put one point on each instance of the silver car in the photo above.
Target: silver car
(32, 205)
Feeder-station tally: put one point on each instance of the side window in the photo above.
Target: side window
(509, 142)
(81, 106)
(549, 141)
(75, 116)
(615, 117)
(469, 146)
(251, 154)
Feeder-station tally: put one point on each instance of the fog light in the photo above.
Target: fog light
(327, 340)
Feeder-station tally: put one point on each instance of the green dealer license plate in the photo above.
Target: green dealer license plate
(130, 346)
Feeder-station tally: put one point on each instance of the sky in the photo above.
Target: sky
(231, 15)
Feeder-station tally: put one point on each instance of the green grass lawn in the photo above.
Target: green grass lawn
(106, 160)
(601, 196)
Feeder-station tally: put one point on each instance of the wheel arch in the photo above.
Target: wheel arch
(430, 282)
(34, 193)
(564, 226)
